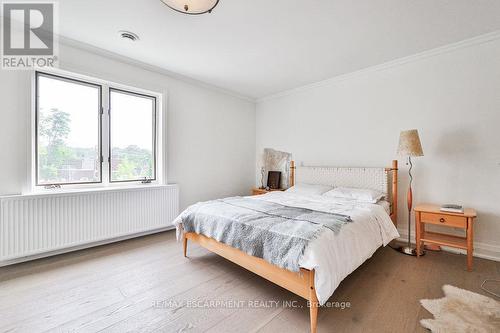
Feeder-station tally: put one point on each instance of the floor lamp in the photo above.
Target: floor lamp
(409, 146)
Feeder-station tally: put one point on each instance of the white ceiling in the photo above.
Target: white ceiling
(260, 47)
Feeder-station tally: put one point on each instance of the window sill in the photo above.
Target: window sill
(64, 192)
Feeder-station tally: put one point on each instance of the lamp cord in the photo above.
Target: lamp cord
(489, 291)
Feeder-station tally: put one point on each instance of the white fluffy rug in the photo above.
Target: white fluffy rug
(462, 311)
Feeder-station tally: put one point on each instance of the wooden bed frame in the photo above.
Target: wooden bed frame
(300, 283)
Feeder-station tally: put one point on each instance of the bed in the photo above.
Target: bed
(314, 266)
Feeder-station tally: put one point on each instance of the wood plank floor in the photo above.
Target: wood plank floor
(145, 285)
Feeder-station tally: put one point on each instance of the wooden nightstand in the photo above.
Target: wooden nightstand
(258, 191)
(430, 214)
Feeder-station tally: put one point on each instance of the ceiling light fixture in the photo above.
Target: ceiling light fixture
(191, 7)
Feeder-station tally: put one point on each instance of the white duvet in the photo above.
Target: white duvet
(335, 256)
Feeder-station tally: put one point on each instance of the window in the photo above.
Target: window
(68, 131)
(132, 132)
(77, 142)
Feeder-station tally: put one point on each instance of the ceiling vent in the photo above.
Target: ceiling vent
(128, 35)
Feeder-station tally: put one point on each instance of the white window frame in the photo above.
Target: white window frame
(106, 86)
(155, 111)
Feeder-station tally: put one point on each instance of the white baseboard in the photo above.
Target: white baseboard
(481, 250)
(81, 247)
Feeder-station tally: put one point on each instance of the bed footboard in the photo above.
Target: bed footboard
(300, 283)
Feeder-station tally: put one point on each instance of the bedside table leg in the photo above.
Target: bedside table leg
(470, 247)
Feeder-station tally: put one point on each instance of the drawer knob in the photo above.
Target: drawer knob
(442, 220)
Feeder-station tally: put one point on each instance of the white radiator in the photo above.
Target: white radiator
(31, 225)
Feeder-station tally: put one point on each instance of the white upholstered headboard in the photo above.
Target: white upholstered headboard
(384, 180)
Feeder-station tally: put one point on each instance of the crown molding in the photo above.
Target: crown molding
(485, 38)
(148, 67)
(489, 37)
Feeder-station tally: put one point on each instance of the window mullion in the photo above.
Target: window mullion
(105, 135)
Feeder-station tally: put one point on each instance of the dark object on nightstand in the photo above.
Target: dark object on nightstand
(273, 179)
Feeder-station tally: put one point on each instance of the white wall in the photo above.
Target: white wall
(452, 97)
(210, 139)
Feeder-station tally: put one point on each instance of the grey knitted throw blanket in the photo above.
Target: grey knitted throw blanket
(276, 233)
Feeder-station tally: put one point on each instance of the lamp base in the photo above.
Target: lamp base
(408, 250)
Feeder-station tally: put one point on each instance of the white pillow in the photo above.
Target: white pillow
(358, 194)
(309, 189)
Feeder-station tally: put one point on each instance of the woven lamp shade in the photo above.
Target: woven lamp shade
(409, 144)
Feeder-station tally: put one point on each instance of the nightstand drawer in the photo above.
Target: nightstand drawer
(441, 219)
